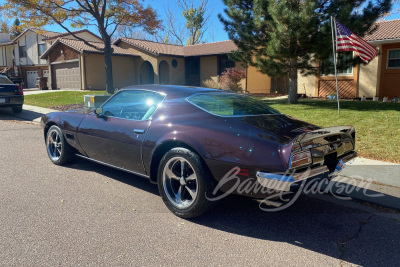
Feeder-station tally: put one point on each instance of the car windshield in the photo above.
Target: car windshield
(223, 104)
(5, 80)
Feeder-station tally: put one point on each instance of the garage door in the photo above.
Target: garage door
(66, 76)
(31, 77)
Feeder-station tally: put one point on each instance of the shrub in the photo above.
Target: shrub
(210, 83)
(230, 79)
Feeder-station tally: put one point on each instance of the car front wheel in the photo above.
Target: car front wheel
(58, 149)
(184, 182)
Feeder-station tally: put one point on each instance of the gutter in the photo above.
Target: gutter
(386, 41)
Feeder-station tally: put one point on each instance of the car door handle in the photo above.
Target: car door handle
(138, 131)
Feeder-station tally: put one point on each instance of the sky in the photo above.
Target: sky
(216, 30)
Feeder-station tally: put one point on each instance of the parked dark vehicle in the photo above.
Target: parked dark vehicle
(187, 139)
(11, 95)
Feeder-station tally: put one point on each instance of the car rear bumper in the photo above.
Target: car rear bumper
(283, 182)
(12, 100)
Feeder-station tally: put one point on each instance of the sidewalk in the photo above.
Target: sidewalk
(367, 180)
(29, 113)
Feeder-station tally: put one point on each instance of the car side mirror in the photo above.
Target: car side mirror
(98, 112)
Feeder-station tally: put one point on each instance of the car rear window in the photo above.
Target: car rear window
(5, 80)
(225, 104)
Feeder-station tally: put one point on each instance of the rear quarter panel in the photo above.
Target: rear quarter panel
(222, 142)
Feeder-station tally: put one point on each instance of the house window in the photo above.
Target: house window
(22, 51)
(42, 48)
(394, 59)
(223, 63)
(344, 65)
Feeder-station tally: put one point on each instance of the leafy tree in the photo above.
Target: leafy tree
(283, 37)
(16, 29)
(106, 15)
(4, 27)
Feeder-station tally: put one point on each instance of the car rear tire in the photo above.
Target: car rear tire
(184, 182)
(17, 109)
(58, 149)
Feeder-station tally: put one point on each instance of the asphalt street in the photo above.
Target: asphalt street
(90, 215)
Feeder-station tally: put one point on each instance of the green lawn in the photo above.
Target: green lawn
(377, 124)
(51, 99)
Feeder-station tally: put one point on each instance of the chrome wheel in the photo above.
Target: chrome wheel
(180, 182)
(54, 145)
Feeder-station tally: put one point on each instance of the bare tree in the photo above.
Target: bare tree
(193, 31)
(197, 19)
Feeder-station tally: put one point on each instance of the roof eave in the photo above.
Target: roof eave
(101, 53)
(384, 41)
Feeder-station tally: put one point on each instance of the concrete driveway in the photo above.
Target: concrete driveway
(88, 214)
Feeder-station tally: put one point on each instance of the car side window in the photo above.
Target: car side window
(133, 104)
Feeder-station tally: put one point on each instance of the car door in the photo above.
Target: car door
(115, 137)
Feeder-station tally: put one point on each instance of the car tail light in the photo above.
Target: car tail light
(300, 159)
(20, 90)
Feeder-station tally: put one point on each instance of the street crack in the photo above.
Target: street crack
(342, 243)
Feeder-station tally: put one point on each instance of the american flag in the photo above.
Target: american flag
(347, 40)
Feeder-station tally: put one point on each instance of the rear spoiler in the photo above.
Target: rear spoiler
(324, 136)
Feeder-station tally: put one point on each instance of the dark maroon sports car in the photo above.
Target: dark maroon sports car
(198, 142)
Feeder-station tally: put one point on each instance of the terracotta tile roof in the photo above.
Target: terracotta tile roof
(154, 47)
(177, 50)
(81, 47)
(386, 30)
(215, 48)
(47, 34)
(60, 35)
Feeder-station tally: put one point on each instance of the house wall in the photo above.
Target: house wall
(389, 78)
(95, 73)
(41, 41)
(143, 56)
(62, 52)
(257, 82)
(208, 69)
(347, 85)
(368, 79)
(6, 56)
(306, 84)
(85, 35)
(176, 75)
(30, 40)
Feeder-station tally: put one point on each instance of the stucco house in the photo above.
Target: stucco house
(146, 62)
(22, 55)
(379, 78)
(76, 65)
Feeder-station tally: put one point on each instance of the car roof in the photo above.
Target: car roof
(173, 91)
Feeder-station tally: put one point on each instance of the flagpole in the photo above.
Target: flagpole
(333, 26)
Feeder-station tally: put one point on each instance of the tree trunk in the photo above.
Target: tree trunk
(293, 81)
(108, 63)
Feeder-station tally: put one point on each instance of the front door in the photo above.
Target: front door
(192, 71)
(117, 135)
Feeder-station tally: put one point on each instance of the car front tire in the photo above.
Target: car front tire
(58, 149)
(184, 182)
(17, 109)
